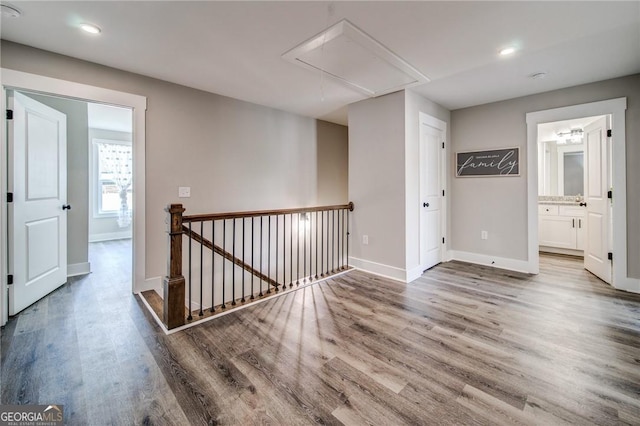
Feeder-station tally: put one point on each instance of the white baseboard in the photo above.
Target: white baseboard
(493, 261)
(108, 236)
(380, 269)
(555, 250)
(154, 283)
(632, 285)
(414, 274)
(76, 269)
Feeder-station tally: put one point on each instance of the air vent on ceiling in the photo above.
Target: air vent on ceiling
(352, 57)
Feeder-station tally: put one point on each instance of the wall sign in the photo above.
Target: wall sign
(496, 162)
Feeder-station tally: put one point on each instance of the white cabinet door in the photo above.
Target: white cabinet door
(557, 231)
(38, 181)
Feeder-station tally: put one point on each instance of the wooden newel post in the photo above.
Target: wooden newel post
(174, 284)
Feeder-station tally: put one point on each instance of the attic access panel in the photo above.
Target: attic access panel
(349, 55)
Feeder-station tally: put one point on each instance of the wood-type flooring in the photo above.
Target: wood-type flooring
(463, 344)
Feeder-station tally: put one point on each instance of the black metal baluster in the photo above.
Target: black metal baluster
(189, 241)
(291, 249)
(328, 240)
(333, 240)
(298, 250)
(224, 270)
(284, 253)
(277, 220)
(213, 263)
(201, 265)
(339, 241)
(347, 264)
(344, 238)
(269, 257)
(321, 243)
(260, 256)
(253, 265)
(316, 244)
(243, 259)
(304, 248)
(233, 264)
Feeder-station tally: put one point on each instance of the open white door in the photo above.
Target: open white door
(431, 140)
(596, 242)
(37, 144)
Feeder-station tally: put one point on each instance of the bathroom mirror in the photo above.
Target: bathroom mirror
(560, 169)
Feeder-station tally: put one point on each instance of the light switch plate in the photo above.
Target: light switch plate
(184, 192)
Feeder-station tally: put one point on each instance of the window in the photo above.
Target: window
(113, 179)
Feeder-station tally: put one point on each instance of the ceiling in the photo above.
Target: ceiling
(234, 48)
(549, 131)
(107, 117)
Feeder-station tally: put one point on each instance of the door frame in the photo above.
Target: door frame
(33, 83)
(616, 108)
(429, 120)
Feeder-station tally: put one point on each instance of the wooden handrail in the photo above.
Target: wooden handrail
(239, 215)
(238, 262)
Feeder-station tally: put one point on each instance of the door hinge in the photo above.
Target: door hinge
(442, 145)
(610, 256)
(442, 240)
(10, 279)
(9, 197)
(609, 133)
(443, 192)
(9, 114)
(610, 195)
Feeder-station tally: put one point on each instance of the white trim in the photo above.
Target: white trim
(94, 184)
(12, 79)
(154, 283)
(76, 269)
(429, 120)
(493, 261)
(558, 250)
(4, 301)
(414, 274)
(386, 271)
(616, 107)
(108, 236)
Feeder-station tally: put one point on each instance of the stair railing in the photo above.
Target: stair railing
(249, 256)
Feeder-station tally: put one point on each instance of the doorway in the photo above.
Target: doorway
(16, 80)
(574, 179)
(616, 109)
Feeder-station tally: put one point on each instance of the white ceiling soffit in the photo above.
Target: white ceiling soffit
(349, 55)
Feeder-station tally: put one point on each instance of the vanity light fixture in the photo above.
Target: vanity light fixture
(90, 28)
(572, 136)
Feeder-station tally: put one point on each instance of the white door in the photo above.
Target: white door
(37, 138)
(431, 152)
(596, 241)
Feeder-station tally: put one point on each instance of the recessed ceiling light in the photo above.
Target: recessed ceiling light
(90, 28)
(9, 11)
(507, 51)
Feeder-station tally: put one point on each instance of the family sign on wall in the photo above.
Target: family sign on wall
(496, 162)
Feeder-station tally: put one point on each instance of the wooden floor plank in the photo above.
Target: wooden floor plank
(463, 344)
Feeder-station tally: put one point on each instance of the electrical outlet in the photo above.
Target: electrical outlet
(184, 192)
(484, 235)
(365, 239)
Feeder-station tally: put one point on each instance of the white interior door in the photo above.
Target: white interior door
(38, 181)
(596, 241)
(431, 162)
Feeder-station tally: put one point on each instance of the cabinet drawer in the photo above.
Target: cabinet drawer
(574, 211)
(547, 210)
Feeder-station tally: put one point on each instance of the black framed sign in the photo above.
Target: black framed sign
(495, 162)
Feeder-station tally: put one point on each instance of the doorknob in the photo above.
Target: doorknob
(583, 204)
(425, 204)
(66, 207)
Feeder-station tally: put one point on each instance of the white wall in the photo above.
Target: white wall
(234, 155)
(384, 181)
(377, 184)
(499, 205)
(414, 105)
